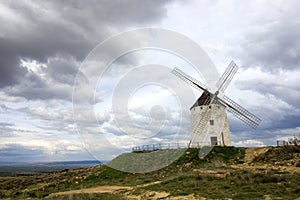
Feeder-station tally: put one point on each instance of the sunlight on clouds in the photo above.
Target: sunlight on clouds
(249, 143)
(287, 132)
(150, 95)
(49, 147)
(33, 65)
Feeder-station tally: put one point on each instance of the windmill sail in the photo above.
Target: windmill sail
(240, 112)
(227, 76)
(188, 79)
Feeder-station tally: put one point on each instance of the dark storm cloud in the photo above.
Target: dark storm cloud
(289, 121)
(62, 70)
(9, 62)
(45, 29)
(32, 87)
(125, 12)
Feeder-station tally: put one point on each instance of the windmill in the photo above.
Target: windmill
(209, 123)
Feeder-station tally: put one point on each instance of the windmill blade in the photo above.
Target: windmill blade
(188, 79)
(240, 112)
(227, 76)
(243, 118)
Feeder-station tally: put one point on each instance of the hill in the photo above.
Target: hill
(225, 173)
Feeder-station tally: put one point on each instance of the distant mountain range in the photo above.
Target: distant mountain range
(26, 168)
(77, 162)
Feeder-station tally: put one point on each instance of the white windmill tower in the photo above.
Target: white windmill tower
(209, 123)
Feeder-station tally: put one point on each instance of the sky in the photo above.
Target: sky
(45, 45)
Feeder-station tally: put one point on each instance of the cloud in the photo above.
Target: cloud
(275, 96)
(282, 86)
(21, 152)
(62, 70)
(35, 88)
(249, 143)
(6, 130)
(51, 80)
(42, 151)
(274, 45)
(42, 45)
(42, 30)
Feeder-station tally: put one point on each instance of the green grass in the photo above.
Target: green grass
(225, 155)
(242, 185)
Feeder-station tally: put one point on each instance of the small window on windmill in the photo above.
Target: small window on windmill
(209, 107)
(211, 122)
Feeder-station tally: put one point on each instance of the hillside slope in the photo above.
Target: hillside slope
(226, 172)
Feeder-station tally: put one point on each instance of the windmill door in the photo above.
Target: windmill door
(214, 141)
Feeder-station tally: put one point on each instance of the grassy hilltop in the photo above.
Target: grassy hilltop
(225, 173)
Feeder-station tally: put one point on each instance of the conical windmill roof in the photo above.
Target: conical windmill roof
(204, 99)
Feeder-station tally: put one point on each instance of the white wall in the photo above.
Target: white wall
(202, 136)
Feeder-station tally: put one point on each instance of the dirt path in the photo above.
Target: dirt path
(252, 153)
(107, 189)
(99, 189)
(151, 195)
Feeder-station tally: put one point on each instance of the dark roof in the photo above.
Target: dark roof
(204, 99)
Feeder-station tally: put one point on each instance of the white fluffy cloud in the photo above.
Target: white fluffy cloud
(249, 143)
